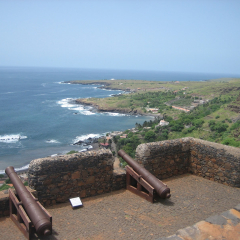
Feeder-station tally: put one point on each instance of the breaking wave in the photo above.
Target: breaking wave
(115, 114)
(87, 136)
(52, 141)
(12, 138)
(69, 103)
(17, 169)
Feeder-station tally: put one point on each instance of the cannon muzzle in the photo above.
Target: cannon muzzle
(162, 190)
(40, 221)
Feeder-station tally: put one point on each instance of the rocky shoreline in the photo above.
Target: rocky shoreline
(87, 142)
(96, 107)
(128, 111)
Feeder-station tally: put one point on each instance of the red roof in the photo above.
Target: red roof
(104, 144)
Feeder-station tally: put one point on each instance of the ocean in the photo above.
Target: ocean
(39, 119)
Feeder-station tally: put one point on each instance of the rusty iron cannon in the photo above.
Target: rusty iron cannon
(144, 180)
(39, 218)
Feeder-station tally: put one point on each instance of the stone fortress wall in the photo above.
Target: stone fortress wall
(82, 175)
(86, 174)
(210, 160)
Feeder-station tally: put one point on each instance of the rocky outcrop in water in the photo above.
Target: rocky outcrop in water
(87, 142)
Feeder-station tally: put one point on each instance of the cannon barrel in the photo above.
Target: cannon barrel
(162, 190)
(40, 221)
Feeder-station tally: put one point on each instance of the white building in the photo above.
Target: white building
(163, 123)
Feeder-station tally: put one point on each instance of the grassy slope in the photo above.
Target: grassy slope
(207, 90)
(226, 88)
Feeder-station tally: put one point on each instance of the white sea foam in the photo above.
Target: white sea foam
(87, 113)
(12, 138)
(8, 93)
(54, 155)
(82, 109)
(68, 103)
(62, 83)
(22, 168)
(83, 150)
(41, 94)
(86, 149)
(52, 141)
(115, 114)
(85, 137)
(77, 108)
(17, 169)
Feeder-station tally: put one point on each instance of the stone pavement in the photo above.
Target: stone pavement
(222, 226)
(123, 215)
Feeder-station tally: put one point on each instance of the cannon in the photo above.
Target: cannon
(39, 217)
(144, 178)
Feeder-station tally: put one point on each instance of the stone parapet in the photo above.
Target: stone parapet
(166, 158)
(82, 174)
(86, 174)
(215, 162)
(210, 160)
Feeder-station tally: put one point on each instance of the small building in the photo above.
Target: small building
(153, 110)
(182, 109)
(108, 138)
(105, 145)
(163, 123)
(123, 136)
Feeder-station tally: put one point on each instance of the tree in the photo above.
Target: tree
(221, 127)
(231, 142)
(217, 126)
(150, 136)
(198, 123)
(235, 125)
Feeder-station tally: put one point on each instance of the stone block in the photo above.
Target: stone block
(217, 219)
(51, 186)
(81, 183)
(172, 161)
(55, 190)
(188, 232)
(173, 237)
(65, 177)
(47, 182)
(228, 166)
(93, 192)
(90, 180)
(84, 174)
(233, 215)
(83, 193)
(75, 175)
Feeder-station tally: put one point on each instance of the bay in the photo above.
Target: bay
(38, 119)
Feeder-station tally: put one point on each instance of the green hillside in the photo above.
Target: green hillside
(208, 110)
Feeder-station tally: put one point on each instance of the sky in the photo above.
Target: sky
(160, 35)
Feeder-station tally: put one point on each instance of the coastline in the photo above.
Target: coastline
(127, 86)
(128, 111)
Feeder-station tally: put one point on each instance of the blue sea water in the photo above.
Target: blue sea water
(39, 119)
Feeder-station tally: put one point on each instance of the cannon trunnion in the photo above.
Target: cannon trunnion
(144, 180)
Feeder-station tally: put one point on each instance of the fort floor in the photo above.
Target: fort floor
(123, 215)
